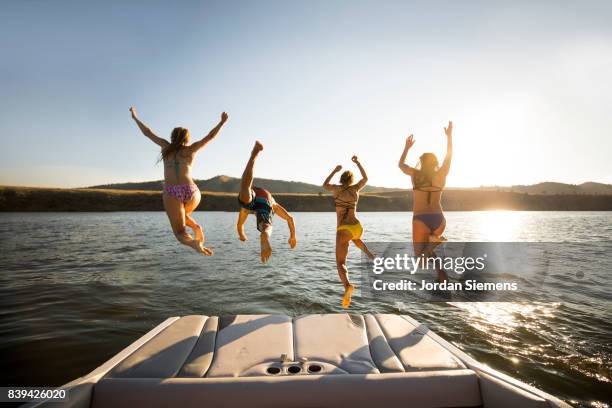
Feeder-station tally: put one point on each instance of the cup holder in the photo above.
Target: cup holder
(273, 370)
(314, 368)
(294, 369)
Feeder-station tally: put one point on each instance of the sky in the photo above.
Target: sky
(526, 84)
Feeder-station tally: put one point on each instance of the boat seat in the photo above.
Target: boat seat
(450, 388)
(415, 350)
(164, 355)
(338, 339)
(245, 342)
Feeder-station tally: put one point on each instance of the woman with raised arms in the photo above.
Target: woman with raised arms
(346, 195)
(181, 195)
(428, 181)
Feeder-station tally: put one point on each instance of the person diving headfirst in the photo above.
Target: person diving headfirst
(259, 201)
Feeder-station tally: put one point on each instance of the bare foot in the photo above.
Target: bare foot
(266, 248)
(346, 299)
(257, 148)
(199, 234)
(197, 245)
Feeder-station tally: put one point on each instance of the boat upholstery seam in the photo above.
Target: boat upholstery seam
(193, 348)
(387, 341)
(214, 357)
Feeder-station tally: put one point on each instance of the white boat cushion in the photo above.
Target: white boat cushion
(415, 350)
(454, 388)
(382, 354)
(164, 354)
(200, 359)
(338, 339)
(249, 340)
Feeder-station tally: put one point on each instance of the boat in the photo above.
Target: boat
(316, 360)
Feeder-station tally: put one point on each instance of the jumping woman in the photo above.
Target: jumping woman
(428, 181)
(180, 194)
(346, 195)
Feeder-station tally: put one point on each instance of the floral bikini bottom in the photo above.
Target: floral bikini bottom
(182, 192)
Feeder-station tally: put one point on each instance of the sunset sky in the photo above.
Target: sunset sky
(527, 84)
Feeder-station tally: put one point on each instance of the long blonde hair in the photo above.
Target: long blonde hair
(426, 170)
(178, 138)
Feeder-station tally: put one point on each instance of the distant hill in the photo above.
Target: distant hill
(55, 199)
(227, 184)
(552, 188)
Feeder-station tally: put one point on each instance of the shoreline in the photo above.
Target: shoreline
(35, 199)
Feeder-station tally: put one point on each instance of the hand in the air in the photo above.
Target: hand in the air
(449, 130)
(409, 141)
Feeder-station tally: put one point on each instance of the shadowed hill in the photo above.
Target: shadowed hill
(227, 184)
(549, 187)
(48, 199)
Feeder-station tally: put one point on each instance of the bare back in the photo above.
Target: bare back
(177, 167)
(427, 200)
(346, 198)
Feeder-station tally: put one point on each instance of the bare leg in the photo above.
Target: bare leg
(176, 214)
(343, 238)
(246, 183)
(266, 248)
(436, 235)
(420, 241)
(361, 245)
(191, 223)
(342, 247)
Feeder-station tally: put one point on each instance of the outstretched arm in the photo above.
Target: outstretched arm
(211, 135)
(364, 177)
(449, 148)
(146, 131)
(326, 184)
(281, 212)
(242, 217)
(402, 161)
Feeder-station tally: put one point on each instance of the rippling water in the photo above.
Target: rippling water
(76, 288)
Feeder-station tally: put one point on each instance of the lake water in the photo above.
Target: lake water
(75, 288)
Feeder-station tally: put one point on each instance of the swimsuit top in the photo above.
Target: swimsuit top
(348, 203)
(176, 163)
(426, 186)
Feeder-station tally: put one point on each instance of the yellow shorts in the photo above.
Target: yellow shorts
(356, 230)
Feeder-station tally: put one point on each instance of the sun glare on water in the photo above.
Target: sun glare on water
(499, 226)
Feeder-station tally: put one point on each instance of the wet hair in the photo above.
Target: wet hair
(426, 169)
(178, 138)
(346, 178)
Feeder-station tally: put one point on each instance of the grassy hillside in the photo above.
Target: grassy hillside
(227, 184)
(548, 188)
(45, 199)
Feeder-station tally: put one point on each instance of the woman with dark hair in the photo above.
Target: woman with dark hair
(346, 195)
(428, 181)
(180, 194)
